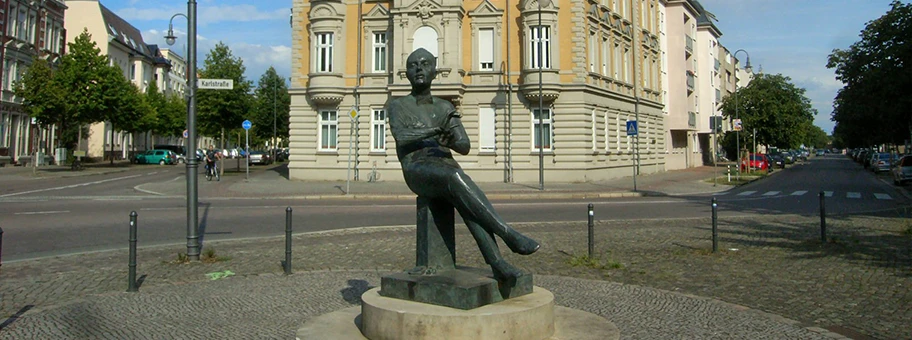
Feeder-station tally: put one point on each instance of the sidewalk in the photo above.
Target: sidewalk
(655, 266)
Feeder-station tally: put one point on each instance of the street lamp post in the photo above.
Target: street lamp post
(541, 111)
(275, 86)
(738, 110)
(193, 246)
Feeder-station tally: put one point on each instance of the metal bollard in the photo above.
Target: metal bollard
(715, 226)
(823, 237)
(591, 232)
(288, 241)
(1, 247)
(131, 277)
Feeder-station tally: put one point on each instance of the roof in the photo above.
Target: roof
(706, 18)
(157, 57)
(124, 33)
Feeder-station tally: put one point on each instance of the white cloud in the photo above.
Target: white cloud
(258, 58)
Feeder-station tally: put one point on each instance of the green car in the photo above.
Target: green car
(161, 157)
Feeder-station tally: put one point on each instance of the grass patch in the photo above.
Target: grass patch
(594, 263)
(208, 256)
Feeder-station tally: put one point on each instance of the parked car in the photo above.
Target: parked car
(882, 161)
(160, 157)
(777, 160)
(260, 157)
(756, 162)
(178, 151)
(902, 170)
(820, 152)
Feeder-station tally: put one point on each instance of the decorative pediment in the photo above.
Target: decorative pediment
(533, 4)
(486, 8)
(424, 8)
(377, 12)
(323, 11)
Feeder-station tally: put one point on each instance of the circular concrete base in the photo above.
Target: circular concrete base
(568, 324)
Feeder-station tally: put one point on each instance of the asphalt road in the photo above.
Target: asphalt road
(72, 215)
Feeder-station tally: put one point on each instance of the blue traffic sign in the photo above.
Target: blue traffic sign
(246, 125)
(632, 129)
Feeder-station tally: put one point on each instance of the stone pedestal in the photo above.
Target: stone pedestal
(529, 317)
(462, 288)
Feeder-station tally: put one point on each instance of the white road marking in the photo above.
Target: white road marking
(853, 195)
(71, 186)
(881, 196)
(720, 193)
(42, 212)
(799, 192)
(746, 193)
(828, 194)
(771, 193)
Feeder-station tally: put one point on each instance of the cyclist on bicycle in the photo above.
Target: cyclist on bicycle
(211, 156)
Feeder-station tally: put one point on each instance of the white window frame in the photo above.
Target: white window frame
(380, 40)
(627, 57)
(606, 55)
(487, 129)
(616, 61)
(323, 52)
(540, 36)
(548, 124)
(378, 130)
(593, 50)
(486, 49)
(329, 125)
(594, 123)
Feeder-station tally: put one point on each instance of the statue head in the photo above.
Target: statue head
(421, 68)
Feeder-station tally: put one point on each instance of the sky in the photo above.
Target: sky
(794, 38)
(790, 37)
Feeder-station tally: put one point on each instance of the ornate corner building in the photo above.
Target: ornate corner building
(593, 65)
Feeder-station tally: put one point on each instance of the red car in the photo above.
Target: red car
(756, 162)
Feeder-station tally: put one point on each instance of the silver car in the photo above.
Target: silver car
(881, 161)
(902, 170)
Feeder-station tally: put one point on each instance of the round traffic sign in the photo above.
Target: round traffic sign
(246, 125)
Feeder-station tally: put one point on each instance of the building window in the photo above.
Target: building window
(593, 51)
(32, 28)
(594, 133)
(616, 61)
(486, 129)
(21, 30)
(606, 54)
(486, 49)
(132, 71)
(11, 22)
(627, 63)
(379, 51)
(540, 45)
(542, 120)
(378, 130)
(329, 130)
(324, 52)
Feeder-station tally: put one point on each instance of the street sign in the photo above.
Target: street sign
(215, 84)
(246, 125)
(353, 113)
(632, 129)
(736, 125)
(186, 133)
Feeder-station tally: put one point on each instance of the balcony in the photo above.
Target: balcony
(326, 89)
(691, 119)
(718, 96)
(717, 65)
(689, 45)
(690, 81)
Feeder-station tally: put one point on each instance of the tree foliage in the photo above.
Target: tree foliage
(875, 71)
(271, 105)
(779, 111)
(223, 110)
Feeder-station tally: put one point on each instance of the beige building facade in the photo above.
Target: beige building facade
(600, 66)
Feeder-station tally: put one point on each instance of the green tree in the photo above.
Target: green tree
(221, 111)
(43, 99)
(875, 72)
(817, 138)
(271, 106)
(776, 108)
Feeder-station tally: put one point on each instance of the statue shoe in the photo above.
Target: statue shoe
(505, 271)
(521, 244)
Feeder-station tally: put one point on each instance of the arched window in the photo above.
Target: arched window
(425, 37)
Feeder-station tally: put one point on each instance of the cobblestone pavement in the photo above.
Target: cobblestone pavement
(653, 278)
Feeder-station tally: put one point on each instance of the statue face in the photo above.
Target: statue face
(421, 68)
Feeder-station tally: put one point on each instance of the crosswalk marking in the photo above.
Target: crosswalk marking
(746, 193)
(850, 194)
(853, 195)
(720, 193)
(828, 194)
(771, 193)
(799, 192)
(882, 196)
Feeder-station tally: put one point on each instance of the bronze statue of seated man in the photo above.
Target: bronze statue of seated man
(426, 128)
